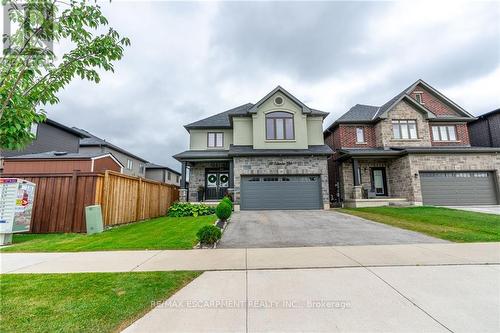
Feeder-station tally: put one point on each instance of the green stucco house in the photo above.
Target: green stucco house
(267, 155)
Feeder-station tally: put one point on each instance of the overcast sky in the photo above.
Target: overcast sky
(188, 61)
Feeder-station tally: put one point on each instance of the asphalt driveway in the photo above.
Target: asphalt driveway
(293, 228)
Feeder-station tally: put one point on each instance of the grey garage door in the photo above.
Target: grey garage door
(458, 188)
(281, 192)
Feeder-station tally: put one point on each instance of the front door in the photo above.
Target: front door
(217, 183)
(379, 181)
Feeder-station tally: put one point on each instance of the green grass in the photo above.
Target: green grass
(88, 302)
(450, 224)
(154, 234)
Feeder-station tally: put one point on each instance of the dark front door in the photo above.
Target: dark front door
(379, 181)
(216, 184)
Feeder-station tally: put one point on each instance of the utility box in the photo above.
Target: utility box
(16, 207)
(93, 219)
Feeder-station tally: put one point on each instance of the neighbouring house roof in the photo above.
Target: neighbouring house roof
(235, 151)
(63, 127)
(160, 167)
(361, 113)
(90, 140)
(394, 152)
(223, 119)
(61, 155)
(487, 114)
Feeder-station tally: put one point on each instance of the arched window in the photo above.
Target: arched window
(279, 126)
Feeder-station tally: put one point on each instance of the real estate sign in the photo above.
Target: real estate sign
(16, 205)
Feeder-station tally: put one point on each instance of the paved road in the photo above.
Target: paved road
(491, 209)
(275, 228)
(458, 298)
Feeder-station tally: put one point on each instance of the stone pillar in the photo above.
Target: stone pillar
(357, 172)
(357, 192)
(183, 194)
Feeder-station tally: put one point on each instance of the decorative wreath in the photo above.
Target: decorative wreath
(224, 178)
(212, 179)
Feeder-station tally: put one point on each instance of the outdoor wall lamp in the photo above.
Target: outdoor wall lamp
(416, 175)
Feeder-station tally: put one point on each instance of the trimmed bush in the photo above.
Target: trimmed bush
(209, 234)
(223, 211)
(228, 201)
(181, 209)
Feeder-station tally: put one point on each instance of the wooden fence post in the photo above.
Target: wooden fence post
(138, 209)
(69, 225)
(105, 197)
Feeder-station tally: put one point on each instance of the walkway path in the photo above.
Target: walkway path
(252, 259)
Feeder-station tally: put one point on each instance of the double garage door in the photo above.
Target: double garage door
(281, 192)
(458, 188)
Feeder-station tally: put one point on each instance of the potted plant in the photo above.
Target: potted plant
(201, 192)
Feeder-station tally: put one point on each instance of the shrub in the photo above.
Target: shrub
(228, 201)
(209, 234)
(223, 210)
(181, 209)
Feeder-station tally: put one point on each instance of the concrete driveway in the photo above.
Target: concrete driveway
(488, 209)
(277, 228)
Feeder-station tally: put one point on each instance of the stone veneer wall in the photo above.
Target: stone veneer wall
(197, 177)
(365, 165)
(402, 111)
(301, 165)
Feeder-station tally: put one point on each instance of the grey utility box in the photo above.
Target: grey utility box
(93, 219)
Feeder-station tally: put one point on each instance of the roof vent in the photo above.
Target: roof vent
(60, 153)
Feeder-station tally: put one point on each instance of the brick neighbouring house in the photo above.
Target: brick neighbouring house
(413, 149)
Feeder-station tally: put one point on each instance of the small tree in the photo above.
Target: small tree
(30, 73)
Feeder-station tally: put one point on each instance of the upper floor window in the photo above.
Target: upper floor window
(418, 98)
(169, 175)
(176, 179)
(444, 133)
(215, 140)
(404, 129)
(141, 168)
(279, 126)
(360, 135)
(130, 164)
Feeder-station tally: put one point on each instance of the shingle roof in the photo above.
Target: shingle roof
(157, 166)
(360, 112)
(250, 151)
(58, 155)
(221, 120)
(201, 154)
(91, 140)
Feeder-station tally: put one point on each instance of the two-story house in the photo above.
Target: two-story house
(133, 165)
(485, 131)
(413, 149)
(268, 155)
(162, 174)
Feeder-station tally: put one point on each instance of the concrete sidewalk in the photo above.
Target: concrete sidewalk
(252, 259)
(452, 298)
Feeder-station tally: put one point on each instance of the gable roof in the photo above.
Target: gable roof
(368, 113)
(160, 167)
(305, 108)
(90, 140)
(63, 127)
(223, 119)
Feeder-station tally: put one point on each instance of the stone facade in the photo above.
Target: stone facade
(197, 176)
(403, 110)
(403, 174)
(300, 165)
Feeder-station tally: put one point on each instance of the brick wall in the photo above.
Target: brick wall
(434, 104)
(462, 135)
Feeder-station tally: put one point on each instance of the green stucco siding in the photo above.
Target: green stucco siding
(243, 134)
(198, 138)
(315, 131)
(259, 125)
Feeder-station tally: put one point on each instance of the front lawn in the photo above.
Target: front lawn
(154, 234)
(450, 224)
(88, 302)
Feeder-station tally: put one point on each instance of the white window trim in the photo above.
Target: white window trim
(216, 143)
(407, 121)
(434, 139)
(362, 134)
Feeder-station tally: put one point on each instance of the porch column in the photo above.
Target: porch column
(357, 192)
(183, 192)
(231, 174)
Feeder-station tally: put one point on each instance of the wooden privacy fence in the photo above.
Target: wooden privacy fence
(60, 199)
